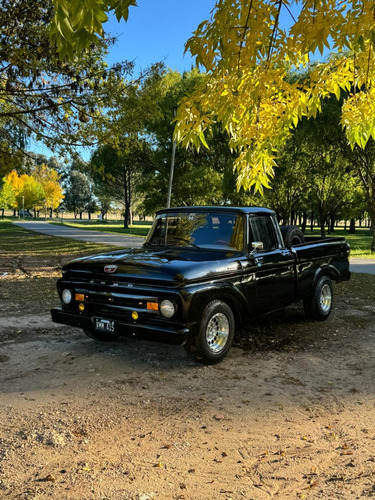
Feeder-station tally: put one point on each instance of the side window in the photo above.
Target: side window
(261, 229)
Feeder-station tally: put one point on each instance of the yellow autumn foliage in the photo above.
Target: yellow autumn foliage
(248, 55)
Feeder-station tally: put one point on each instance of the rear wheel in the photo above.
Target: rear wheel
(319, 305)
(102, 336)
(215, 337)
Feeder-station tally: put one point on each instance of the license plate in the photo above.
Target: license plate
(104, 325)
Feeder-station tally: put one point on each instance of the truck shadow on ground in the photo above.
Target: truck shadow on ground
(53, 358)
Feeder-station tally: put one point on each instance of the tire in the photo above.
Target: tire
(215, 337)
(292, 235)
(319, 306)
(102, 336)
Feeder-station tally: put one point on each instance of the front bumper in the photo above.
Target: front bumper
(158, 333)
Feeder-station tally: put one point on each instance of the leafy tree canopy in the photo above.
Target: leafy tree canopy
(78, 194)
(77, 24)
(61, 102)
(247, 55)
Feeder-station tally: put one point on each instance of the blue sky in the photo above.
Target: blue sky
(157, 31)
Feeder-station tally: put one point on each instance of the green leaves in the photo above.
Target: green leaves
(247, 89)
(79, 23)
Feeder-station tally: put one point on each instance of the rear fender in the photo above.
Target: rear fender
(326, 270)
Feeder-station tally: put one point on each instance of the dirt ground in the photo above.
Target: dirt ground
(288, 414)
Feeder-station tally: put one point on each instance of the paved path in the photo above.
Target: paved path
(119, 240)
(366, 266)
(356, 265)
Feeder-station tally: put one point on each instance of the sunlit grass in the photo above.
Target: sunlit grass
(15, 240)
(360, 241)
(139, 229)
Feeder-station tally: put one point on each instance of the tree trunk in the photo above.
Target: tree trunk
(312, 221)
(372, 230)
(80, 215)
(332, 224)
(304, 222)
(352, 226)
(126, 203)
(345, 224)
(322, 221)
(89, 214)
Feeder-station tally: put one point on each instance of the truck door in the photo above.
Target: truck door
(273, 266)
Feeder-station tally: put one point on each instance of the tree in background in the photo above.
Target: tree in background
(363, 161)
(247, 56)
(290, 191)
(52, 191)
(41, 189)
(12, 144)
(78, 192)
(7, 195)
(116, 171)
(64, 103)
(22, 191)
(200, 177)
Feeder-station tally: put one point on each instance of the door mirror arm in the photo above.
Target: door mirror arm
(256, 246)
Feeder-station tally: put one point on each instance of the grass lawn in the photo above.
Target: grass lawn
(360, 242)
(15, 240)
(139, 229)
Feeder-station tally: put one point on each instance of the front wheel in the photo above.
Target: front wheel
(319, 305)
(215, 337)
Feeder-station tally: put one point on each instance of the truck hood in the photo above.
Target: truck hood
(177, 265)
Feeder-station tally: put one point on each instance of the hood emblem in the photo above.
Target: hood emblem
(110, 268)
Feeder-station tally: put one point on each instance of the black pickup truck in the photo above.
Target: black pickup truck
(201, 271)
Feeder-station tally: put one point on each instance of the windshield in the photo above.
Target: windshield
(208, 230)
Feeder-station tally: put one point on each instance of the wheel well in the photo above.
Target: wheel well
(229, 301)
(331, 273)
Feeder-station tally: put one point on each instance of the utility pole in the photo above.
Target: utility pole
(172, 166)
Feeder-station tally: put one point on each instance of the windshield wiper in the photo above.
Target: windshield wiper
(187, 242)
(149, 244)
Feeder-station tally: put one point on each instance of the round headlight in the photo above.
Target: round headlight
(167, 308)
(66, 296)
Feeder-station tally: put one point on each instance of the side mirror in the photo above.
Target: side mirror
(257, 246)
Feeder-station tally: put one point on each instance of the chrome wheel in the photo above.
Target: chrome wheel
(325, 298)
(217, 332)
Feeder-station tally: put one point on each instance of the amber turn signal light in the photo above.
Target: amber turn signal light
(152, 306)
(80, 297)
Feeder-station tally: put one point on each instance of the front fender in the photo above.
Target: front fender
(225, 291)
